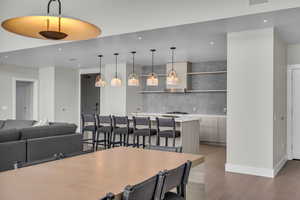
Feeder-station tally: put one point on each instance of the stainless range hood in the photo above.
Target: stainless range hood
(182, 69)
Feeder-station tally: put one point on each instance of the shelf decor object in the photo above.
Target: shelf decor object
(133, 79)
(51, 27)
(100, 82)
(116, 82)
(172, 78)
(152, 79)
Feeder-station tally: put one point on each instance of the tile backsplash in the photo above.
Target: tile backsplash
(200, 103)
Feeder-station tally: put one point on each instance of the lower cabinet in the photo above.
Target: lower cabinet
(213, 129)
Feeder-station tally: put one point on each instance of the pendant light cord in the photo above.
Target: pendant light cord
(133, 54)
(173, 49)
(152, 50)
(100, 56)
(116, 54)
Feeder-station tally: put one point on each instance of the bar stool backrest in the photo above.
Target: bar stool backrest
(164, 122)
(88, 118)
(145, 121)
(104, 119)
(117, 120)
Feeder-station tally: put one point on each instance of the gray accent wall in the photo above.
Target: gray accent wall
(196, 103)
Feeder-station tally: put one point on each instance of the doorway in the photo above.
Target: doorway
(90, 95)
(24, 100)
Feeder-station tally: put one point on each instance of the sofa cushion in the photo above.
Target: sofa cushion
(2, 124)
(9, 135)
(47, 131)
(18, 124)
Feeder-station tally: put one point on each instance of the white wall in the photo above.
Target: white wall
(66, 95)
(280, 102)
(293, 54)
(133, 13)
(250, 102)
(113, 99)
(7, 73)
(47, 93)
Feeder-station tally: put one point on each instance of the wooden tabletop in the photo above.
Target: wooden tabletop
(89, 176)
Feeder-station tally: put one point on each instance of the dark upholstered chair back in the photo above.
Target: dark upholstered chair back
(145, 121)
(120, 120)
(104, 120)
(88, 118)
(165, 122)
(177, 178)
(164, 148)
(147, 190)
(109, 196)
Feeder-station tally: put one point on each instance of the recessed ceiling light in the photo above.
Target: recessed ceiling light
(265, 21)
(79, 65)
(212, 43)
(5, 56)
(59, 49)
(140, 38)
(72, 59)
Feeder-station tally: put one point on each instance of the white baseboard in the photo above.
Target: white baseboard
(265, 172)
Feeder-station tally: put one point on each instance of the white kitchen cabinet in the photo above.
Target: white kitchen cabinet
(213, 129)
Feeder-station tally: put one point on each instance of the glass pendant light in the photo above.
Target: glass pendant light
(133, 79)
(116, 82)
(52, 27)
(152, 80)
(100, 82)
(172, 78)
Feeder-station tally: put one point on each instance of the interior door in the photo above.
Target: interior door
(296, 113)
(24, 100)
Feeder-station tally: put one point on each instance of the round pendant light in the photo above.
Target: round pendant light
(52, 27)
(100, 82)
(133, 79)
(172, 78)
(116, 82)
(152, 79)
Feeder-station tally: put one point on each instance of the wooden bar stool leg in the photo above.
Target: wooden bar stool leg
(134, 143)
(127, 142)
(97, 141)
(166, 141)
(113, 140)
(94, 140)
(144, 141)
(138, 141)
(105, 140)
(174, 139)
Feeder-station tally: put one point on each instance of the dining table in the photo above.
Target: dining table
(89, 176)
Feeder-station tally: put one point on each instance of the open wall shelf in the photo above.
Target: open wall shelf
(188, 91)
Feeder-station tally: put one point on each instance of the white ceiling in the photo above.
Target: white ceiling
(193, 43)
(117, 17)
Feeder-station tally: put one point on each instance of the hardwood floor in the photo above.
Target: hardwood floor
(219, 185)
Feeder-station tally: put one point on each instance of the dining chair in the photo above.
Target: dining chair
(144, 131)
(109, 196)
(89, 126)
(164, 148)
(147, 190)
(104, 126)
(176, 178)
(121, 128)
(171, 133)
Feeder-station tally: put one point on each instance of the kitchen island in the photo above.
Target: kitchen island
(189, 127)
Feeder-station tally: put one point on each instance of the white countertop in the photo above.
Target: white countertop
(179, 117)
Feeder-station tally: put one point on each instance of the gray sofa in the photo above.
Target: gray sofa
(21, 142)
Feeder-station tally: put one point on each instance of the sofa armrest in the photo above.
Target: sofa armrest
(11, 153)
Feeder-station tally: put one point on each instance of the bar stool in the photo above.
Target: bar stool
(143, 132)
(122, 129)
(172, 133)
(104, 126)
(89, 126)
